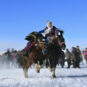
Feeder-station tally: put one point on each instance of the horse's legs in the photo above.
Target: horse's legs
(53, 73)
(25, 72)
(49, 65)
(54, 63)
(37, 67)
(49, 68)
(25, 69)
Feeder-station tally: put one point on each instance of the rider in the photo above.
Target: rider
(49, 31)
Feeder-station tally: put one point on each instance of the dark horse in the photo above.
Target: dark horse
(54, 50)
(35, 54)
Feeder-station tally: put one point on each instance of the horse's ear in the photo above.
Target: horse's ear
(61, 33)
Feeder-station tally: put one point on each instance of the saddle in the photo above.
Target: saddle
(27, 49)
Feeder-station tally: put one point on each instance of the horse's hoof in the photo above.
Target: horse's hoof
(26, 76)
(54, 76)
(38, 71)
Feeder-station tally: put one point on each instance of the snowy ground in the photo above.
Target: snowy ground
(65, 78)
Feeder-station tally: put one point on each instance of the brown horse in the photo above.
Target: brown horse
(35, 54)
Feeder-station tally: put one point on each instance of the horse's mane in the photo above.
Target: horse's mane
(36, 34)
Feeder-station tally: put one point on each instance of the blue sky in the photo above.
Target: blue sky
(20, 17)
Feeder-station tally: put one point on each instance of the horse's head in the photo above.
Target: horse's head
(61, 40)
(31, 37)
(36, 37)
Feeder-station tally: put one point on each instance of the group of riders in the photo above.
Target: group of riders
(74, 57)
(48, 45)
(51, 32)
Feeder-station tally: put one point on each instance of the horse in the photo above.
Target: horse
(54, 50)
(35, 54)
(76, 58)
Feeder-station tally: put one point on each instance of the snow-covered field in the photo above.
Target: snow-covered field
(65, 78)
